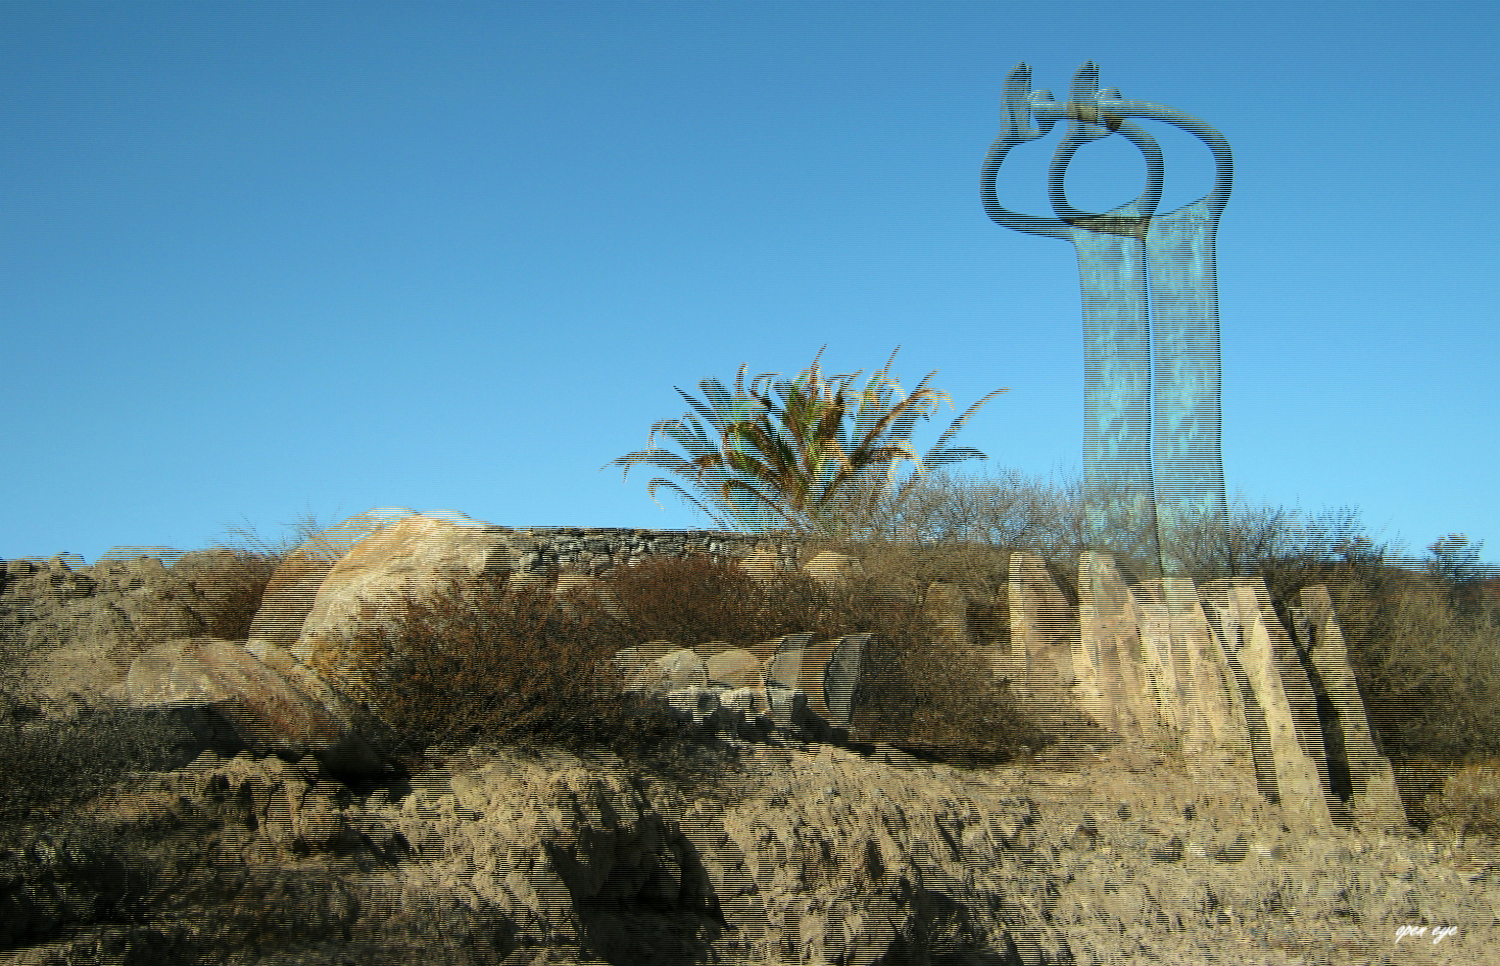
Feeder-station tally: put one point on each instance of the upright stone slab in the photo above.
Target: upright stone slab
(827, 673)
(1158, 664)
(784, 668)
(1374, 802)
(1109, 635)
(1259, 645)
(1043, 633)
(1204, 677)
(841, 680)
(769, 649)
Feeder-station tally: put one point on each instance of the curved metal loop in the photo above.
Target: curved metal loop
(1105, 111)
(1217, 198)
(1086, 122)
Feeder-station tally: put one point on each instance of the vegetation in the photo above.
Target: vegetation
(484, 661)
(807, 455)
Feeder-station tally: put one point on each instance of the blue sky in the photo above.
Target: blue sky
(267, 259)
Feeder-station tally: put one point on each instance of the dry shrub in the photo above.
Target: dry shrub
(231, 576)
(1468, 800)
(935, 700)
(231, 583)
(482, 661)
(906, 571)
(695, 600)
(1429, 675)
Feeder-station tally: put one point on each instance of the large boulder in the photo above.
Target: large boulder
(293, 588)
(735, 668)
(411, 556)
(271, 708)
(833, 569)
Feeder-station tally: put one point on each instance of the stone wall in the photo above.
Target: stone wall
(579, 550)
(596, 551)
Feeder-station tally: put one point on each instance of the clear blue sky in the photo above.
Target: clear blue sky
(272, 258)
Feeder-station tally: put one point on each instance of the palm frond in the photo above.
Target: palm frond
(809, 453)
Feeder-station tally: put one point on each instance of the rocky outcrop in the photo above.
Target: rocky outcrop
(74, 629)
(274, 709)
(1164, 664)
(728, 852)
(1211, 671)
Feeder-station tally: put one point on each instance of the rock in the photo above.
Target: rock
(266, 708)
(682, 668)
(1287, 721)
(635, 666)
(1120, 699)
(410, 556)
(748, 701)
(1374, 801)
(735, 668)
(787, 707)
(293, 588)
(1043, 631)
(775, 853)
(832, 568)
(841, 678)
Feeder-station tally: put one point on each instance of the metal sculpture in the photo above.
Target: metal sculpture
(1150, 311)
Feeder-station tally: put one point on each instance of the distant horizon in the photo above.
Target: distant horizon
(268, 260)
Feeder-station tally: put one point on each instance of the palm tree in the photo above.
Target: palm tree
(804, 454)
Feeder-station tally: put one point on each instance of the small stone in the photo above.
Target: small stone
(1170, 852)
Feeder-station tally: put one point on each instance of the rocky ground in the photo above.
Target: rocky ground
(715, 852)
(733, 852)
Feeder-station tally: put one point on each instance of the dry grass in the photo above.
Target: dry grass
(231, 583)
(1468, 801)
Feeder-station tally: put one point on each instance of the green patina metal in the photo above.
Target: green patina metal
(1152, 417)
